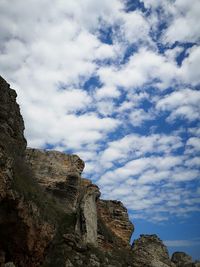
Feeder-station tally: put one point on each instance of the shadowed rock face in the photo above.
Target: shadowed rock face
(23, 235)
(149, 251)
(11, 122)
(181, 259)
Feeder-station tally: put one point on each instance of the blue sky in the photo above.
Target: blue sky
(116, 82)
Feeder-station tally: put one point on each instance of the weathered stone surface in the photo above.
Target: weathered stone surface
(23, 235)
(87, 221)
(12, 140)
(115, 217)
(10, 264)
(149, 251)
(58, 173)
(182, 259)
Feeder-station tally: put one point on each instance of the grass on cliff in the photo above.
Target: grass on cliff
(27, 187)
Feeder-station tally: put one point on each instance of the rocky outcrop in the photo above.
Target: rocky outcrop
(60, 174)
(87, 221)
(114, 216)
(12, 139)
(57, 173)
(149, 251)
(181, 259)
(24, 236)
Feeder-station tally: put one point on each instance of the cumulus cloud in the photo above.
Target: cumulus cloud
(184, 26)
(183, 103)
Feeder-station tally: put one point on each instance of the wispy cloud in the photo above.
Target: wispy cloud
(182, 243)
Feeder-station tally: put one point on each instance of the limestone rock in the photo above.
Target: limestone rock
(149, 251)
(182, 259)
(21, 229)
(9, 264)
(57, 173)
(12, 140)
(87, 220)
(115, 217)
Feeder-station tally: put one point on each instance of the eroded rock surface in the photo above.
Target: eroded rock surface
(87, 221)
(57, 173)
(149, 251)
(23, 234)
(181, 259)
(115, 217)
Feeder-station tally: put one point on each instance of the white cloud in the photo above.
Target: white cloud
(184, 25)
(135, 27)
(183, 103)
(190, 67)
(138, 146)
(70, 131)
(138, 116)
(181, 243)
(144, 66)
(107, 92)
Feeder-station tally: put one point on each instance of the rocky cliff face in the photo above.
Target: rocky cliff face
(149, 250)
(50, 216)
(58, 173)
(115, 217)
(23, 234)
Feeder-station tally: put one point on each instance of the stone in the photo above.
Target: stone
(21, 229)
(94, 263)
(115, 217)
(87, 223)
(150, 251)
(68, 263)
(58, 173)
(2, 257)
(9, 264)
(12, 140)
(181, 259)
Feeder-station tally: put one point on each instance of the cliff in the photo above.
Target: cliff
(51, 216)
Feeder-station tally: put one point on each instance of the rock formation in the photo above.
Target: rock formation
(149, 250)
(181, 259)
(115, 217)
(50, 216)
(58, 173)
(23, 233)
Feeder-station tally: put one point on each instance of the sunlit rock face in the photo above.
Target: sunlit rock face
(57, 173)
(114, 215)
(60, 174)
(87, 212)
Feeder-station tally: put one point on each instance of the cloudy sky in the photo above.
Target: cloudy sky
(115, 82)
